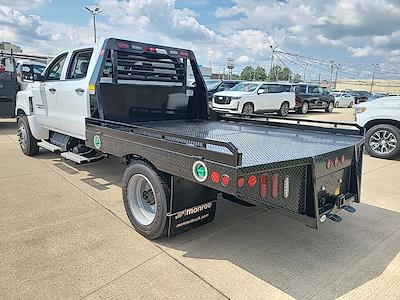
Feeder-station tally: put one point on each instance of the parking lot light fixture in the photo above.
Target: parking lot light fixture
(94, 12)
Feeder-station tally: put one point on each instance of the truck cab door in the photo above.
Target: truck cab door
(45, 93)
(73, 94)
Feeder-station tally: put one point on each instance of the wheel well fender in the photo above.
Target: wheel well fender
(372, 123)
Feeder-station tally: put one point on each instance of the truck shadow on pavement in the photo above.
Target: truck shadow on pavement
(299, 261)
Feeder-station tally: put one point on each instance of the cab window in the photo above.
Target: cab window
(79, 64)
(55, 69)
(273, 88)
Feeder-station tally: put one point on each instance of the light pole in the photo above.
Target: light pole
(373, 76)
(273, 48)
(94, 12)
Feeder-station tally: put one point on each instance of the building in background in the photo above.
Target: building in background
(8, 47)
(205, 71)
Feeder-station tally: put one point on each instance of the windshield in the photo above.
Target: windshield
(211, 84)
(245, 87)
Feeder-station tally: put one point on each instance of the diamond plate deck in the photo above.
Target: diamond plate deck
(260, 144)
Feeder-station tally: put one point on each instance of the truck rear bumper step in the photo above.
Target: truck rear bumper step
(48, 146)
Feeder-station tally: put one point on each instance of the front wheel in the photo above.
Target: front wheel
(337, 104)
(284, 110)
(248, 109)
(350, 104)
(146, 194)
(304, 108)
(330, 107)
(26, 140)
(383, 141)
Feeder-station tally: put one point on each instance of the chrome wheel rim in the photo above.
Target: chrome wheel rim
(22, 136)
(284, 109)
(304, 108)
(330, 107)
(383, 142)
(141, 199)
(248, 109)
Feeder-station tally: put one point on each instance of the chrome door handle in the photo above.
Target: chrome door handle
(53, 90)
(79, 90)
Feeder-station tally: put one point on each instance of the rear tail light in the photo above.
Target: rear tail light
(252, 181)
(215, 177)
(225, 180)
(286, 187)
(240, 182)
(275, 186)
(122, 45)
(264, 186)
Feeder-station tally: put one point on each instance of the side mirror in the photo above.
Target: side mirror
(261, 91)
(38, 77)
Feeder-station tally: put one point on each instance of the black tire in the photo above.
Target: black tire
(351, 104)
(248, 109)
(336, 104)
(305, 107)
(158, 227)
(284, 109)
(330, 107)
(26, 140)
(369, 139)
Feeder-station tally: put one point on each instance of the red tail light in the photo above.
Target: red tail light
(264, 186)
(225, 180)
(336, 161)
(150, 49)
(240, 182)
(252, 181)
(215, 177)
(275, 186)
(122, 45)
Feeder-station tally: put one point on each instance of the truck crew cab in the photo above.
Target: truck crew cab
(132, 100)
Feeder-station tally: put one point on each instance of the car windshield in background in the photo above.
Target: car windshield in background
(211, 84)
(245, 87)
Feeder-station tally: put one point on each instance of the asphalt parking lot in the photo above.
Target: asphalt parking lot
(64, 234)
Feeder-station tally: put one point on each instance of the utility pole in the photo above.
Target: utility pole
(94, 12)
(330, 78)
(319, 78)
(373, 76)
(305, 73)
(336, 75)
(273, 48)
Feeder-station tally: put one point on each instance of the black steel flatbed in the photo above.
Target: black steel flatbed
(259, 144)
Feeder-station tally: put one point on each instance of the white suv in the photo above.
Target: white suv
(250, 97)
(381, 119)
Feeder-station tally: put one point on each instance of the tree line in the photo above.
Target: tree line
(277, 73)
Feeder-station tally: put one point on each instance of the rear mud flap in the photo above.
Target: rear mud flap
(191, 205)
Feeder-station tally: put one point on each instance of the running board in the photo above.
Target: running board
(79, 159)
(48, 146)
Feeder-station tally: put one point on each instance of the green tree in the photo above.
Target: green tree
(277, 73)
(260, 74)
(235, 77)
(247, 73)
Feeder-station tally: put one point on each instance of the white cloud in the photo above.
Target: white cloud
(244, 59)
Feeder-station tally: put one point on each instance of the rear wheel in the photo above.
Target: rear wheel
(330, 107)
(304, 108)
(383, 141)
(248, 109)
(337, 104)
(146, 194)
(351, 104)
(284, 110)
(26, 140)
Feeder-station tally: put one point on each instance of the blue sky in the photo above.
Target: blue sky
(352, 33)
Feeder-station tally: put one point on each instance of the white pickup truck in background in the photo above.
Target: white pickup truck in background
(250, 97)
(381, 119)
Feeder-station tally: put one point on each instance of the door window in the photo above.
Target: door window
(79, 64)
(273, 88)
(54, 71)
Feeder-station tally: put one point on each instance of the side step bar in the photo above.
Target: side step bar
(48, 146)
(79, 159)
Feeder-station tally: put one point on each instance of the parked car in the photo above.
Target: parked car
(343, 99)
(360, 96)
(250, 97)
(381, 119)
(311, 96)
(376, 96)
(219, 86)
